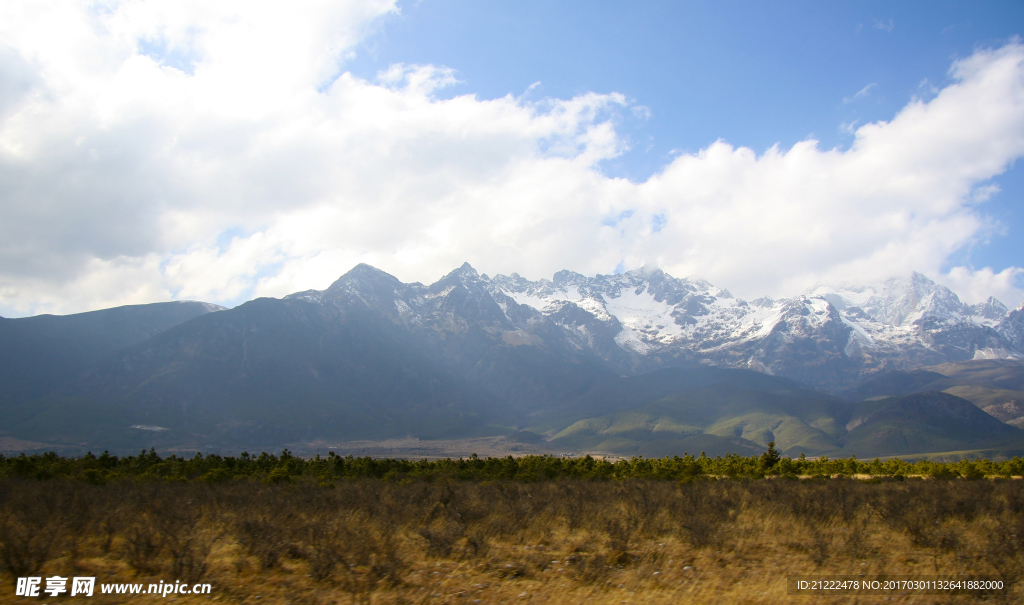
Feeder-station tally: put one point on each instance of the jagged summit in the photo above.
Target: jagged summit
(465, 274)
(373, 357)
(992, 309)
(652, 315)
(896, 301)
(362, 271)
(645, 318)
(1012, 328)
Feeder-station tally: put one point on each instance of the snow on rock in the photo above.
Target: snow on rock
(649, 311)
(644, 319)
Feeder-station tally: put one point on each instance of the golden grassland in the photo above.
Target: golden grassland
(563, 541)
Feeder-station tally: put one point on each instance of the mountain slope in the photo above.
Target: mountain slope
(731, 419)
(740, 409)
(284, 370)
(516, 353)
(926, 422)
(640, 362)
(897, 383)
(1012, 328)
(994, 385)
(367, 358)
(39, 353)
(994, 373)
(645, 319)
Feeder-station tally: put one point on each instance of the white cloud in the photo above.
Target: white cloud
(863, 92)
(213, 151)
(884, 25)
(899, 199)
(976, 286)
(927, 88)
(984, 193)
(641, 112)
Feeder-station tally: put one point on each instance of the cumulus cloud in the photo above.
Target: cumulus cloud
(902, 197)
(976, 286)
(219, 151)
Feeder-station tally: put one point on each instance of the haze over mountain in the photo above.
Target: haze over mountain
(640, 362)
(38, 353)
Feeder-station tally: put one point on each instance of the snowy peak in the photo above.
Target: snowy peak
(922, 297)
(905, 302)
(648, 309)
(897, 302)
(465, 273)
(372, 289)
(364, 278)
(1011, 328)
(465, 280)
(645, 319)
(990, 310)
(651, 315)
(565, 278)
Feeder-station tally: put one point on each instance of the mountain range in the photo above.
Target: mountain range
(639, 362)
(825, 338)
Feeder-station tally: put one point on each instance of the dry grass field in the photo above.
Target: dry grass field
(567, 541)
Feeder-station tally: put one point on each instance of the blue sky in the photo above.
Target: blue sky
(180, 149)
(755, 74)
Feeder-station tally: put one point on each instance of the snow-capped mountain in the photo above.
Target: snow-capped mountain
(373, 357)
(824, 337)
(534, 342)
(916, 319)
(646, 319)
(1011, 327)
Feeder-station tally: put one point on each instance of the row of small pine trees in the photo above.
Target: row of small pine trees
(213, 468)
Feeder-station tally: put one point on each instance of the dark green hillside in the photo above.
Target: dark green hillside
(1002, 404)
(738, 411)
(709, 409)
(993, 373)
(1003, 374)
(994, 385)
(352, 362)
(926, 422)
(896, 383)
(618, 394)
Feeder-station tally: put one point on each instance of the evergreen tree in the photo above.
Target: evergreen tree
(770, 458)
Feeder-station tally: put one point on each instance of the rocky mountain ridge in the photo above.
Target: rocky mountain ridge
(371, 357)
(825, 337)
(644, 319)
